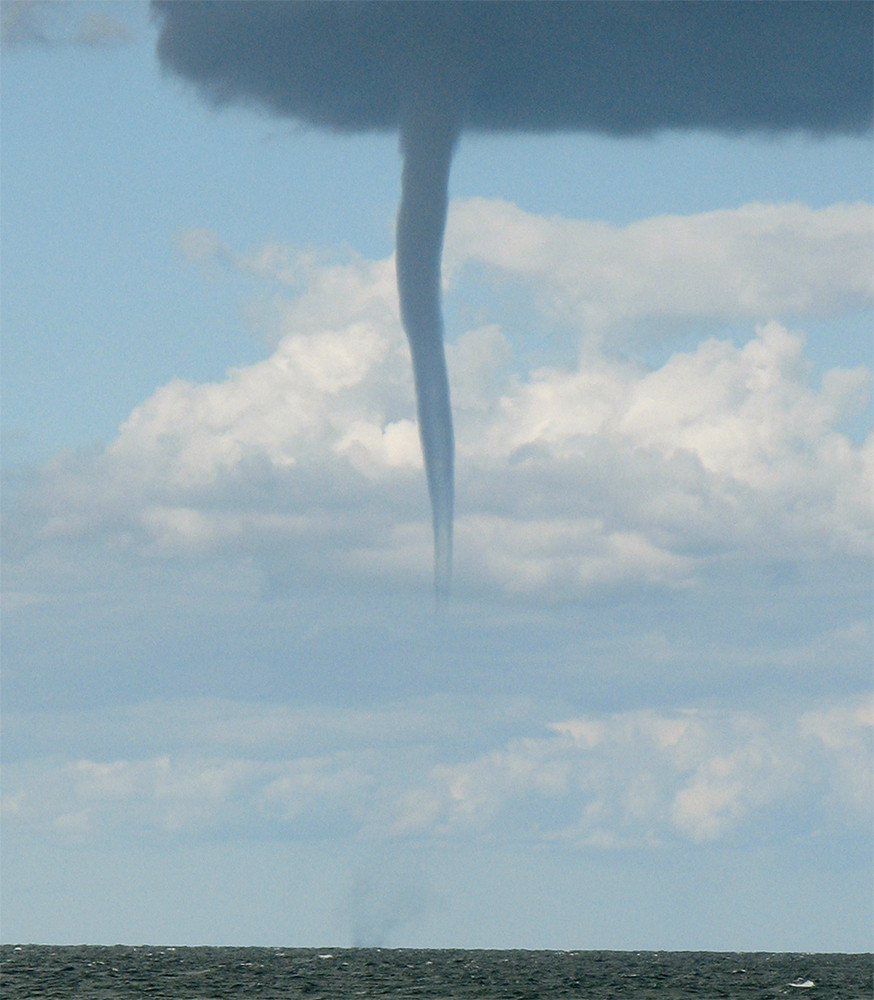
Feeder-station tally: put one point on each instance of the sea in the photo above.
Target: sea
(87, 971)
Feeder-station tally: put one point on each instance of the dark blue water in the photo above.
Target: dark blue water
(36, 971)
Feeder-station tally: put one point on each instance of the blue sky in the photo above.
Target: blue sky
(231, 715)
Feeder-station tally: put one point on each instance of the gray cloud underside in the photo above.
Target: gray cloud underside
(621, 68)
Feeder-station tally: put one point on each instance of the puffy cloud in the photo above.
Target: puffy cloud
(570, 480)
(645, 777)
(85, 798)
(755, 262)
(723, 447)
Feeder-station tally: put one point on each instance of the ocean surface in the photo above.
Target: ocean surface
(36, 971)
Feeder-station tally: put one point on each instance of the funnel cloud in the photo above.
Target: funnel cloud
(433, 68)
(427, 140)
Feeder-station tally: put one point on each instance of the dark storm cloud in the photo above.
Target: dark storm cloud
(610, 67)
(431, 69)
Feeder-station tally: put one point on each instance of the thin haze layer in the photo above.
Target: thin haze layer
(434, 67)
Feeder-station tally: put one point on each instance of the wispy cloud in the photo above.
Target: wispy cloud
(54, 23)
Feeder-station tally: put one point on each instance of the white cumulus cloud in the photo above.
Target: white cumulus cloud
(643, 777)
(570, 479)
(753, 262)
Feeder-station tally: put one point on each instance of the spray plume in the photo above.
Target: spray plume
(431, 68)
